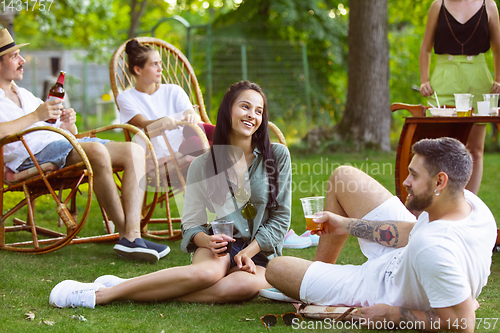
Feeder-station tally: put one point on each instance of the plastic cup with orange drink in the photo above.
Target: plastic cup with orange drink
(312, 206)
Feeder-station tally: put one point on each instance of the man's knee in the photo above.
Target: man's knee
(98, 155)
(341, 178)
(132, 150)
(137, 149)
(276, 269)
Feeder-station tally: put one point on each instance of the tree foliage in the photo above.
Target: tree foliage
(100, 25)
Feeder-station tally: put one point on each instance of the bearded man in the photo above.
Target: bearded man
(428, 271)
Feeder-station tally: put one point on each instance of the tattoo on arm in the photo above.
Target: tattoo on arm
(361, 229)
(385, 233)
(407, 315)
(430, 315)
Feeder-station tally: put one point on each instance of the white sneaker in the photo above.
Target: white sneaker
(292, 241)
(109, 280)
(275, 294)
(314, 238)
(73, 294)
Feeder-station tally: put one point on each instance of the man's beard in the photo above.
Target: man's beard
(420, 202)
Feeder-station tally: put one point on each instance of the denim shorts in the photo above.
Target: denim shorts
(259, 259)
(55, 152)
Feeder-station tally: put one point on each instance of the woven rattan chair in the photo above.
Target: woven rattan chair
(62, 209)
(176, 70)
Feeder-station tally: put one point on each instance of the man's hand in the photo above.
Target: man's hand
(379, 313)
(49, 110)
(332, 224)
(68, 117)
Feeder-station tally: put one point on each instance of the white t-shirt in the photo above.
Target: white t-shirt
(169, 100)
(15, 153)
(443, 263)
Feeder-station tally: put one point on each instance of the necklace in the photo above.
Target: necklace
(449, 26)
(241, 194)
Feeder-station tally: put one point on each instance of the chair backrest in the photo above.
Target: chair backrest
(176, 70)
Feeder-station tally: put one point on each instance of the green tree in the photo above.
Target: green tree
(366, 120)
(322, 25)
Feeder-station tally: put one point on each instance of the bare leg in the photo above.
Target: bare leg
(104, 183)
(170, 283)
(475, 145)
(237, 286)
(351, 193)
(286, 274)
(130, 157)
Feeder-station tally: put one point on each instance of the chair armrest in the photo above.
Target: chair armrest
(416, 110)
(127, 129)
(41, 170)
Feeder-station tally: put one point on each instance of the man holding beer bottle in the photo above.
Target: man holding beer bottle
(20, 109)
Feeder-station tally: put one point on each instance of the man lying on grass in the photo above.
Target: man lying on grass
(428, 271)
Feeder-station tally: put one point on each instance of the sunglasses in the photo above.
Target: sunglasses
(241, 195)
(249, 212)
(271, 319)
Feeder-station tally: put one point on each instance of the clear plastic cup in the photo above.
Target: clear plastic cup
(493, 99)
(483, 108)
(223, 227)
(311, 206)
(463, 104)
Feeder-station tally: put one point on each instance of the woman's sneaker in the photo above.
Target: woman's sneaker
(109, 280)
(74, 294)
(275, 294)
(314, 238)
(292, 241)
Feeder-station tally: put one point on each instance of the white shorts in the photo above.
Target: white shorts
(344, 285)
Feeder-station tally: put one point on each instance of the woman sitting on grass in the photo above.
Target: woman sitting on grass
(152, 105)
(242, 158)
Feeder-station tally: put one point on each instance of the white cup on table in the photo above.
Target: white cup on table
(483, 108)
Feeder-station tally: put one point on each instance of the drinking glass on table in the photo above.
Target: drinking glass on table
(463, 103)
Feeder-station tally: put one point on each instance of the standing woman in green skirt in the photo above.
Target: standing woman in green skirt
(461, 31)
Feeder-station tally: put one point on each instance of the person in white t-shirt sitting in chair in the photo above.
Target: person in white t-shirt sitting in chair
(153, 105)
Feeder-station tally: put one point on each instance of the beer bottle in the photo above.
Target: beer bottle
(57, 91)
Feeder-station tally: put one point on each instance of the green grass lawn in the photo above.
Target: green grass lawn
(26, 280)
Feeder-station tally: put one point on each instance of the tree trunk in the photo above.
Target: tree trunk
(137, 8)
(366, 120)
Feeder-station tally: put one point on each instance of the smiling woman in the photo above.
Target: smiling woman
(243, 178)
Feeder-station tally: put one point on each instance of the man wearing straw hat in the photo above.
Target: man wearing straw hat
(20, 109)
(427, 272)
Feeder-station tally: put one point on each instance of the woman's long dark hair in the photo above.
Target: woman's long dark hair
(260, 140)
(137, 54)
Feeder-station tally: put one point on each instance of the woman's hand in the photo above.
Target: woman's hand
(426, 89)
(218, 244)
(168, 123)
(191, 117)
(495, 89)
(244, 262)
